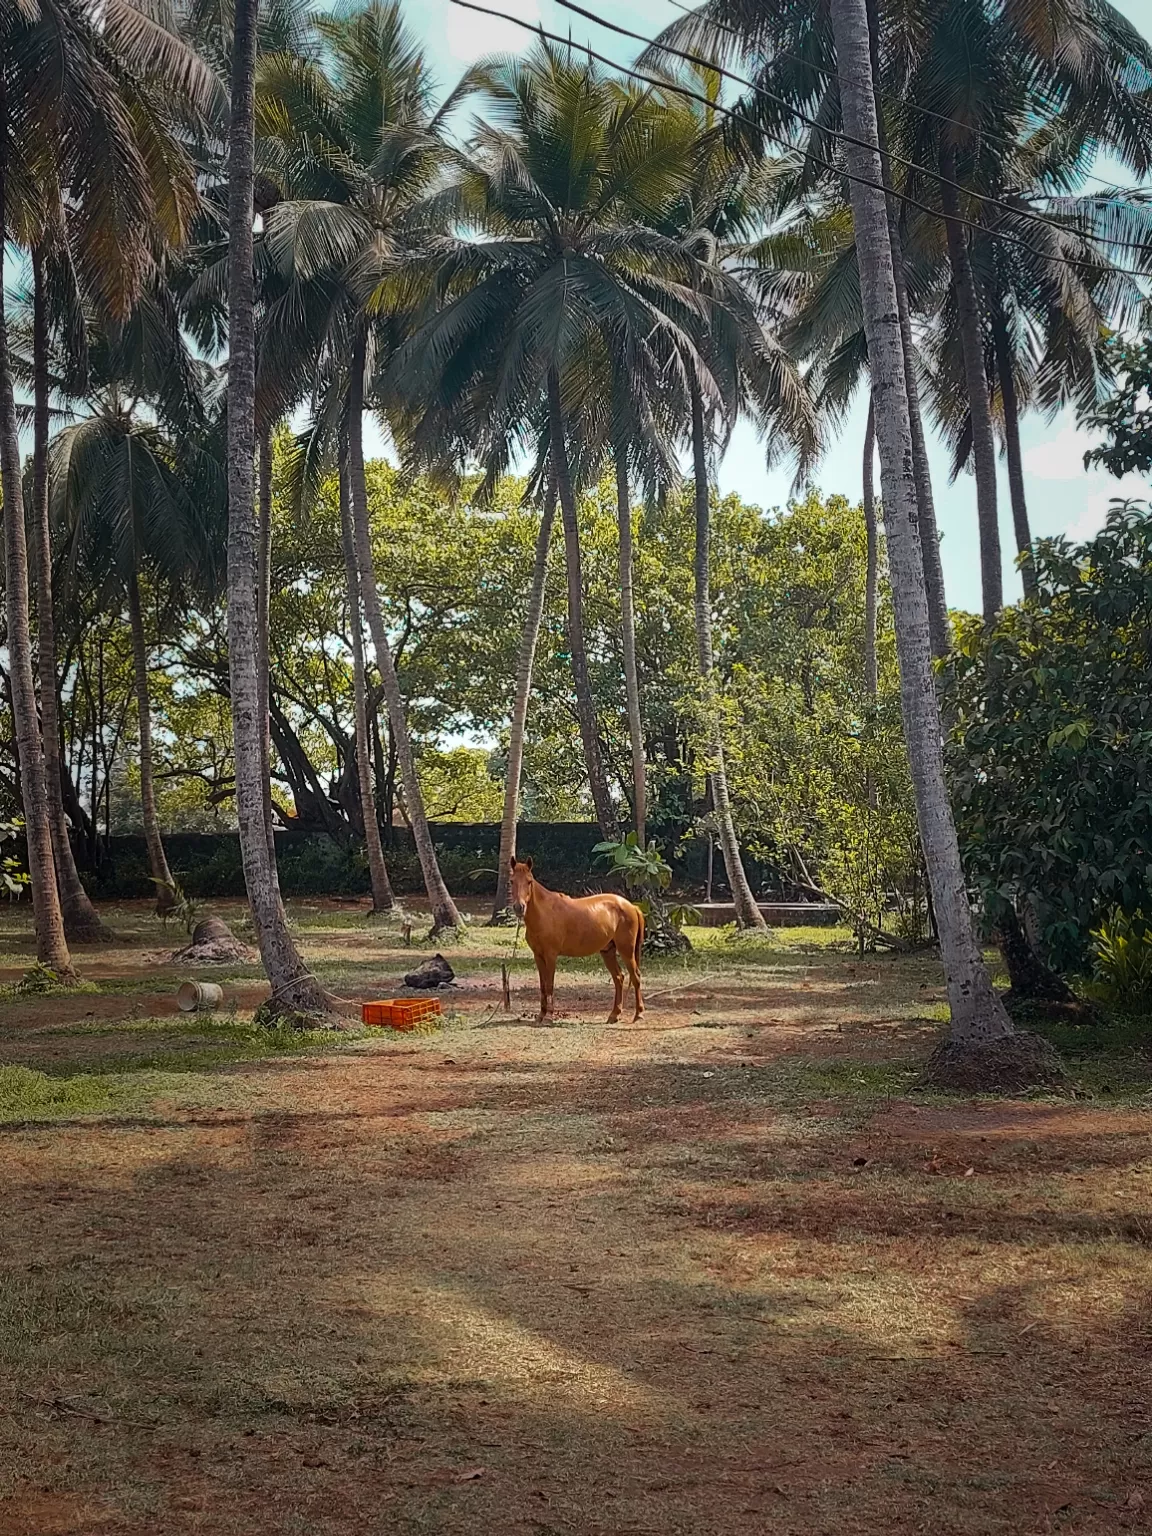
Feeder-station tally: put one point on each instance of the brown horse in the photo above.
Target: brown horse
(555, 924)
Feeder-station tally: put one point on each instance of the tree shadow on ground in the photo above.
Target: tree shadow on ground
(429, 1297)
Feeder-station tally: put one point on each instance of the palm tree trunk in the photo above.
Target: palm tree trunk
(978, 1017)
(157, 858)
(748, 914)
(976, 380)
(382, 899)
(519, 721)
(871, 674)
(871, 580)
(51, 944)
(585, 705)
(82, 923)
(263, 635)
(939, 628)
(628, 627)
(1015, 464)
(293, 986)
(444, 913)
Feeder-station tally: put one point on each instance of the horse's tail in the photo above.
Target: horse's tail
(639, 935)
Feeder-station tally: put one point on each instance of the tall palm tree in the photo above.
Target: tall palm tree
(124, 511)
(628, 645)
(293, 986)
(960, 86)
(746, 371)
(871, 582)
(1048, 302)
(569, 308)
(382, 898)
(51, 944)
(78, 112)
(518, 725)
(353, 147)
(978, 1017)
(82, 923)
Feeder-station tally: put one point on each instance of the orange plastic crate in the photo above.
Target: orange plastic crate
(400, 1012)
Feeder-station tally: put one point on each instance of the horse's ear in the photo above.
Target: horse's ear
(512, 863)
(528, 863)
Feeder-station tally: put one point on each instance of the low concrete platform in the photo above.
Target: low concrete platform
(791, 914)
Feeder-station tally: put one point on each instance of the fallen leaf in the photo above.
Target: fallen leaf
(968, 1172)
(859, 1162)
(469, 1475)
(1135, 1500)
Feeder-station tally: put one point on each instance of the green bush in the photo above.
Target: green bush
(1123, 959)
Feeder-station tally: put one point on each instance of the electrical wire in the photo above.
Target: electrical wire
(1027, 214)
(662, 83)
(1123, 194)
(830, 74)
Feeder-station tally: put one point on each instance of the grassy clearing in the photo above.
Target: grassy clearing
(722, 1272)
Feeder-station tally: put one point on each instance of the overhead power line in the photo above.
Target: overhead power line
(912, 106)
(664, 83)
(1029, 215)
(830, 74)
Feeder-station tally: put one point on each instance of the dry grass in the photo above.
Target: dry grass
(718, 1274)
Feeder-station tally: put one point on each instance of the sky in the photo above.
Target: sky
(1062, 497)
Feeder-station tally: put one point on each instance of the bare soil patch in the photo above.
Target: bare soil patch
(717, 1274)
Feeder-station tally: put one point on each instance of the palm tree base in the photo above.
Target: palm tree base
(86, 928)
(284, 1016)
(505, 918)
(445, 930)
(1009, 1064)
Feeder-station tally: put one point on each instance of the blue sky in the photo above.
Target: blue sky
(1062, 497)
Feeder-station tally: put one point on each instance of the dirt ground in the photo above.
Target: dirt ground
(719, 1272)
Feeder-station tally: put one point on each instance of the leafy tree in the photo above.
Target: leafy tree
(1049, 754)
(1126, 415)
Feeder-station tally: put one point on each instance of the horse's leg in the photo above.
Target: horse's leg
(609, 958)
(632, 958)
(546, 965)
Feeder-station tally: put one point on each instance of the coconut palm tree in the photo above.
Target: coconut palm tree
(293, 986)
(1048, 301)
(82, 923)
(518, 725)
(80, 117)
(124, 513)
(557, 327)
(957, 91)
(353, 149)
(51, 944)
(978, 1017)
(744, 370)
(382, 898)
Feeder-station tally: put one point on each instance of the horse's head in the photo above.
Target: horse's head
(520, 883)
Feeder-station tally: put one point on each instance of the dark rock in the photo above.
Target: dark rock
(431, 974)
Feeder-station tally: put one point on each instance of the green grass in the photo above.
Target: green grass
(28, 1096)
(128, 1082)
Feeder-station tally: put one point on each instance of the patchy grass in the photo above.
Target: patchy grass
(719, 1272)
